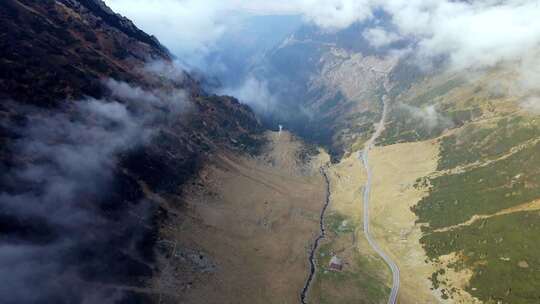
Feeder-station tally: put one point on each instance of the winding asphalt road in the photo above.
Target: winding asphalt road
(367, 191)
(364, 157)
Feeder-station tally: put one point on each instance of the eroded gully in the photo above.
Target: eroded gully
(315, 246)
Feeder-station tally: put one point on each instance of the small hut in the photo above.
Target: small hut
(336, 264)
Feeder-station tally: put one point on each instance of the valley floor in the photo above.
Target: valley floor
(243, 229)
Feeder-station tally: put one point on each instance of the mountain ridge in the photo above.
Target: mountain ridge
(95, 117)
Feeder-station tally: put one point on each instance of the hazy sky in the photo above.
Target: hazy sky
(478, 33)
(471, 34)
(187, 26)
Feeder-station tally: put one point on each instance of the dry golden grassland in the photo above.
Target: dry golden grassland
(395, 171)
(254, 219)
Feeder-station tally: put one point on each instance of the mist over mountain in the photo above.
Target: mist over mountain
(419, 38)
(232, 58)
(95, 115)
(310, 151)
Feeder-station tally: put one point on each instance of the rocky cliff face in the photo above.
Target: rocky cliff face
(53, 50)
(94, 121)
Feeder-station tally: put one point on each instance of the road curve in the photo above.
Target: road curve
(364, 156)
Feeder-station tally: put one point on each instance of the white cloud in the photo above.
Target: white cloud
(470, 34)
(428, 116)
(173, 71)
(330, 14)
(335, 14)
(187, 27)
(474, 35)
(190, 27)
(531, 104)
(69, 188)
(379, 37)
(529, 72)
(254, 93)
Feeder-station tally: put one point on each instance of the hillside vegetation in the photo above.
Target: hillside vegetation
(480, 213)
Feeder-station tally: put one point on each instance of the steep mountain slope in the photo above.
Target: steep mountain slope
(330, 83)
(123, 181)
(231, 63)
(459, 216)
(94, 117)
(455, 192)
(64, 47)
(479, 213)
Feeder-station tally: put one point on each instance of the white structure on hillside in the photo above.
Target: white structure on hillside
(336, 264)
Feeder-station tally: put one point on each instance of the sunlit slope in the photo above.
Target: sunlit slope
(479, 215)
(242, 230)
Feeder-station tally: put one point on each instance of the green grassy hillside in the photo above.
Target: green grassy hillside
(478, 204)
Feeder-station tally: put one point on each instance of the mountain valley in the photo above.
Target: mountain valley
(127, 177)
